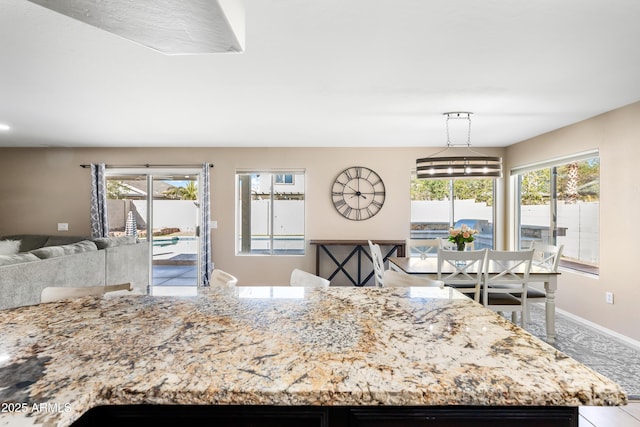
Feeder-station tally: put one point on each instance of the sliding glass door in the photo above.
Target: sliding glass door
(175, 213)
(161, 208)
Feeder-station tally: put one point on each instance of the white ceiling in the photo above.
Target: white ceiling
(323, 73)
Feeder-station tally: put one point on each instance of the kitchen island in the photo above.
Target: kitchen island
(332, 356)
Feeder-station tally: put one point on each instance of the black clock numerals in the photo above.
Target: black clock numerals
(358, 193)
(377, 204)
(339, 204)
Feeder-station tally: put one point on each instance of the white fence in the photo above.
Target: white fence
(581, 221)
(288, 224)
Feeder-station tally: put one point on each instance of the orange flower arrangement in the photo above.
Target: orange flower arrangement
(461, 236)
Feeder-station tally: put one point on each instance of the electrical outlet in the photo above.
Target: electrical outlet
(63, 226)
(609, 297)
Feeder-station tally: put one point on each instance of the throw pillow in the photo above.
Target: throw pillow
(9, 247)
(73, 248)
(17, 259)
(48, 252)
(79, 247)
(109, 242)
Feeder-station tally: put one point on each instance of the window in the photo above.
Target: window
(284, 178)
(558, 204)
(437, 204)
(270, 213)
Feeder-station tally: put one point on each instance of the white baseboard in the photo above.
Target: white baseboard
(624, 338)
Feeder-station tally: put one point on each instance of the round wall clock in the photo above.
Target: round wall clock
(358, 193)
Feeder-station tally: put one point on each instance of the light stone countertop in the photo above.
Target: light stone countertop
(279, 346)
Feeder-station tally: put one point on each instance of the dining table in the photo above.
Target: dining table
(539, 273)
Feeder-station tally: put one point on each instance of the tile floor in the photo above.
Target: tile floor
(174, 275)
(621, 416)
(174, 280)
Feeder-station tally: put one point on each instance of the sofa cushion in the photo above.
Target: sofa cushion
(73, 248)
(17, 258)
(79, 247)
(35, 241)
(63, 240)
(110, 242)
(48, 252)
(9, 247)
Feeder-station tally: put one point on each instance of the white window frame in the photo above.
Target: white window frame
(239, 251)
(515, 174)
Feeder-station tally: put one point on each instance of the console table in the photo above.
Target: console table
(360, 247)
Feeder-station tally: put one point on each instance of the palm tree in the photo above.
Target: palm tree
(190, 192)
(571, 195)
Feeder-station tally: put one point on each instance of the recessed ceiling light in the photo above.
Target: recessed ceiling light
(4, 127)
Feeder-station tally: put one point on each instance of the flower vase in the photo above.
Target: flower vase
(460, 246)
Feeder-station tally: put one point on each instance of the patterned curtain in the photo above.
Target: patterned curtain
(99, 223)
(206, 265)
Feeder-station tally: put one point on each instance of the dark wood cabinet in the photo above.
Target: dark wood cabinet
(456, 416)
(302, 416)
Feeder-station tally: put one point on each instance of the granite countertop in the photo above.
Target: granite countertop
(279, 346)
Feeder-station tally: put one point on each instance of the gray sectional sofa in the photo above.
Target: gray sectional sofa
(69, 261)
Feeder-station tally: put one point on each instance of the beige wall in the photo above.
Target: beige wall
(41, 187)
(617, 135)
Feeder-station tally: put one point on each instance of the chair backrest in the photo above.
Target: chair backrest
(57, 293)
(423, 247)
(507, 272)
(222, 278)
(506, 280)
(378, 263)
(508, 266)
(394, 278)
(462, 269)
(546, 255)
(446, 244)
(302, 278)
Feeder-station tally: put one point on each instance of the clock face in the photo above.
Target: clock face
(358, 193)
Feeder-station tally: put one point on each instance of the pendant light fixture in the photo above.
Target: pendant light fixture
(473, 165)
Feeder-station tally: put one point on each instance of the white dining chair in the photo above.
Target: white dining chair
(506, 273)
(462, 270)
(303, 278)
(446, 244)
(422, 248)
(57, 293)
(378, 263)
(394, 278)
(222, 278)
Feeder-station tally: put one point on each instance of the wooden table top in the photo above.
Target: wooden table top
(356, 242)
